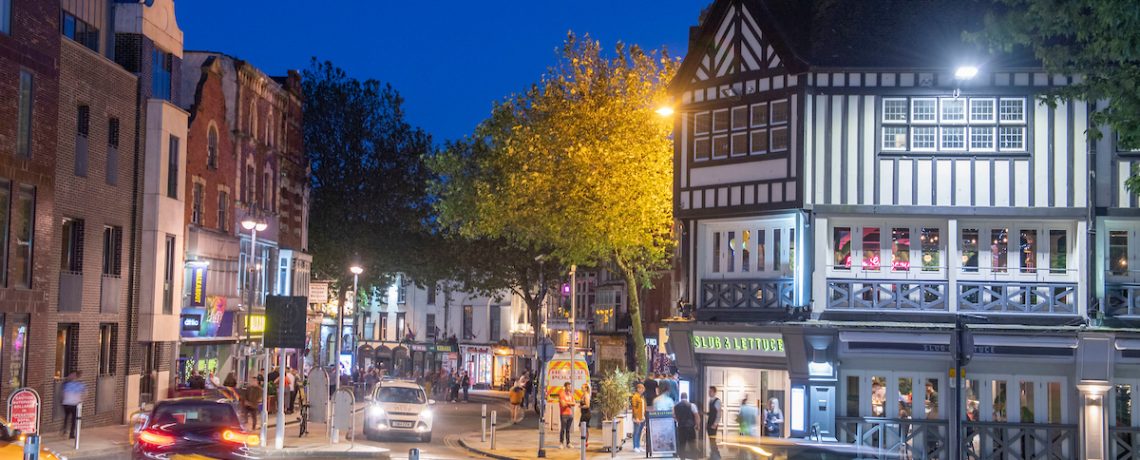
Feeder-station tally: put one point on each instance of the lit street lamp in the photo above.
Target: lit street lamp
(255, 225)
(356, 271)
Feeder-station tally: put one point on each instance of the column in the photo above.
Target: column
(1093, 433)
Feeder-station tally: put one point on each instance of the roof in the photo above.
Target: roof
(888, 34)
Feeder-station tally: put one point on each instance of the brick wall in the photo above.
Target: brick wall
(33, 45)
(209, 109)
(109, 91)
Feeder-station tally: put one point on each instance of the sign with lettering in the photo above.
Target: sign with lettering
(942, 348)
(24, 410)
(191, 322)
(662, 433)
(319, 292)
(738, 343)
(255, 323)
(197, 285)
(208, 322)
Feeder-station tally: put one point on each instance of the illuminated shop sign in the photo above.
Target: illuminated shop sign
(736, 343)
(255, 323)
(208, 322)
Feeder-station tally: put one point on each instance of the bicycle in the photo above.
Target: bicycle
(303, 396)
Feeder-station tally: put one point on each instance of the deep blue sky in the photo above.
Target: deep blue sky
(450, 59)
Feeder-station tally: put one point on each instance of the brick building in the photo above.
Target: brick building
(29, 91)
(97, 116)
(256, 166)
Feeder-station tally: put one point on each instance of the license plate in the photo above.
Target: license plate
(402, 424)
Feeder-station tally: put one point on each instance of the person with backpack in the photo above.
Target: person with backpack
(687, 417)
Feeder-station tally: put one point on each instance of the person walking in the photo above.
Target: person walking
(290, 382)
(637, 407)
(714, 412)
(466, 382)
(566, 405)
(231, 380)
(251, 403)
(74, 390)
(747, 418)
(687, 417)
(516, 397)
(663, 401)
(650, 388)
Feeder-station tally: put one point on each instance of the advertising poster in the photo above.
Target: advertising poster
(662, 433)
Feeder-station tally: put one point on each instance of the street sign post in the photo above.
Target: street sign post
(24, 410)
(546, 349)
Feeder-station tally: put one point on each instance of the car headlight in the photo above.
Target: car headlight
(426, 414)
(376, 411)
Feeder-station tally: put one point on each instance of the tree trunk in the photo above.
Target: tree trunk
(635, 317)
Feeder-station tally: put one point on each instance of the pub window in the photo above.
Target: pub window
(953, 124)
(731, 252)
(841, 240)
(716, 252)
(760, 114)
(924, 138)
(23, 221)
(1028, 249)
(894, 138)
(720, 146)
(923, 110)
(1058, 251)
(969, 244)
(953, 110)
(981, 110)
(779, 139)
(930, 399)
(906, 397)
(871, 249)
(760, 253)
(701, 123)
(852, 396)
(1012, 110)
(953, 138)
(16, 342)
(1026, 396)
(720, 120)
(745, 255)
(791, 249)
(878, 396)
(999, 249)
(740, 144)
(759, 141)
(894, 110)
(1123, 405)
(702, 148)
(739, 117)
(998, 391)
(779, 112)
(776, 249)
(1053, 401)
(930, 256)
(981, 138)
(1118, 252)
(900, 249)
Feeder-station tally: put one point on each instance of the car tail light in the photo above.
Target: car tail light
(241, 438)
(156, 439)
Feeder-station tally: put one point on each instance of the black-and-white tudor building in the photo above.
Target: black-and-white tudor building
(848, 192)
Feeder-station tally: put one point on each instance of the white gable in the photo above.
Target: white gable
(738, 29)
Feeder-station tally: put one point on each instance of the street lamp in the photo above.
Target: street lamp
(255, 225)
(665, 111)
(357, 314)
(356, 271)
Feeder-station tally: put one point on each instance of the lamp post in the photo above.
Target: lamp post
(356, 314)
(255, 225)
(356, 271)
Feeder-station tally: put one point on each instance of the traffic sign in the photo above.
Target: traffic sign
(285, 321)
(546, 349)
(24, 410)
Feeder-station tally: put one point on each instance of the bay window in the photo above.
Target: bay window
(757, 249)
(877, 242)
(962, 124)
(1014, 251)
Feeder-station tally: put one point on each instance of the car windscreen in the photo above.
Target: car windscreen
(401, 395)
(205, 414)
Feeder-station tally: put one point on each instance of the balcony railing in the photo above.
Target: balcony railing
(70, 291)
(777, 293)
(895, 438)
(1124, 442)
(109, 290)
(1027, 441)
(1017, 297)
(908, 295)
(1122, 300)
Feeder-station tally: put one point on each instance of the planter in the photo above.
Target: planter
(608, 436)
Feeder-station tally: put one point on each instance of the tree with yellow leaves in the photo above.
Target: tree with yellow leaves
(579, 165)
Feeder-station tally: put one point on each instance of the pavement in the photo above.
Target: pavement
(517, 441)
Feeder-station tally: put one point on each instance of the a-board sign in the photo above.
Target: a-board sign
(662, 432)
(24, 410)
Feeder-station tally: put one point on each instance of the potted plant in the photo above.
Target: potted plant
(613, 400)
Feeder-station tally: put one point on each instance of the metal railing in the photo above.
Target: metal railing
(861, 294)
(752, 293)
(895, 438)
(1027, 441)
(1122, 299)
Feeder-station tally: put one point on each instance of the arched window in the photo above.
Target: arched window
(267, 194)
(212, 147)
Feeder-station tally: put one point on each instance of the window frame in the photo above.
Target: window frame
(866, 403)
(917, 124)
(739, 139)
(715, 264)
(1042, 272)
(886, 268)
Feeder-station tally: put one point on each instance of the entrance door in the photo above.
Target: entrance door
(736, 384)
(1017, 403)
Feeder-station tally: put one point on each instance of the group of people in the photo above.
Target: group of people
(567, 400)
(251, 395)
(687, 415)
(447, 385)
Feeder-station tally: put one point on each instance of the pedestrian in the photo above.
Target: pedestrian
(214, 381)
(566, 413)
(650, 388)
(516, 397)
(774, 419)
(674, 386)
(466, 386)
(687, 417)
(251, 403)
(74, 391)
(231, 380)
(289, 380)
(529, 387)
(714, 412)
(196, 381)
(637, 407)
(663, 401)
(584, 413)
(746, 419)
(453, 384)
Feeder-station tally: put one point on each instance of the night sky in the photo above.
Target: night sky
(449, 59)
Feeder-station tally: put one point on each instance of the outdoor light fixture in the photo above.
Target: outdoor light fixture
(966, 72)
(356, 270)
(665, 111)
(251, 224)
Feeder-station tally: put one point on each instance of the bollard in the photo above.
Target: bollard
(78, 423)
(32, 447)
(483, 424)
(414, 454)
(582, 450)
(613, 438)
(493, 418)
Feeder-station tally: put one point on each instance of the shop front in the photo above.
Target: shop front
(477, 364)
(758, 367)
(208, 343)
(446, 357)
